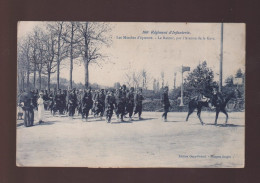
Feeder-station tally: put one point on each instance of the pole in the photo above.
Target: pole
(181, 104)
(221, 59)
(174, 85)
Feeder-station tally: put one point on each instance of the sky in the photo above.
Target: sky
(161, 55)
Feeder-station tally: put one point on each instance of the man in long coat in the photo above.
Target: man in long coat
(166, 103)
(26, 101)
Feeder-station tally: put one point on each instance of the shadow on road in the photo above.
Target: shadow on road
(230, 125)
(173, 121)
(46, 123)
(19, 124)
(143, 119)
(227, 125)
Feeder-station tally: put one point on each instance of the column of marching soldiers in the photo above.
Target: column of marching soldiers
(99, 102)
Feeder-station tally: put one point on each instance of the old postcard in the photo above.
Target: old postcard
(130, 94)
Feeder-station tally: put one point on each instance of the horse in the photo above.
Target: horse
(218, 101)
(220, 105)
(197, 103)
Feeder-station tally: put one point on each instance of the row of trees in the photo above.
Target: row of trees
(138, 79)
(42, 51)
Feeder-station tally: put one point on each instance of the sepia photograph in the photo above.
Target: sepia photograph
(130, 94)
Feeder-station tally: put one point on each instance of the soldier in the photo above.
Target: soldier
(87, 103)
(26, 101)
(63, 101)
(120, 104)
(79, 99)
(51, 100)
(35, 98)
(217, 98)
(110, 105)
(166, 103)
(72, 102)
(45, 99)
(102, 97)
(130, 103)
(94, 98)
(124, 93)
(58, 102)
(100, 103)
(138, 103)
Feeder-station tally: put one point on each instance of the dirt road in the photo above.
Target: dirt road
(61, 141)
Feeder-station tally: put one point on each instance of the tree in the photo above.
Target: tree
(24, 58)
(200, 80)
(94, 36)
(229, 81)
(35, 55)
(71, 37)
(133, 79)
(154, 85)
(57, 29)
(128, 79)
(157, 86)
(239, 74)
(117, 85)
(21, 67)
(162, 78)
(137, 79)
(51, 63)
(41, 52)
(145, 79)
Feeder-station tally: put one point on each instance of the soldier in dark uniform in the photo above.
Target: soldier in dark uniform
(87, 103)
(35, 98)
(100, 103)
(45, 99)
(72, 102)
(217, 98)
(124, 93)
(166, 103)
(58, 102)
(26, 101)
(94, 98)
(51, 100)
(120, 104)
(102, 98)
(130, 103)
(63, 101)
(110, 103)
(79, 99)
(138, 103)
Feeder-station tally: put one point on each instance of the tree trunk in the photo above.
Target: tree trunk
(34, 76)
(40, 79)
(23, 76)
(49, 79)
(28, 78)
(86, 74)
(71, 54)
(19, 81)
(58, 59)
(58, 75)
(86, 61)
(71, 69)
